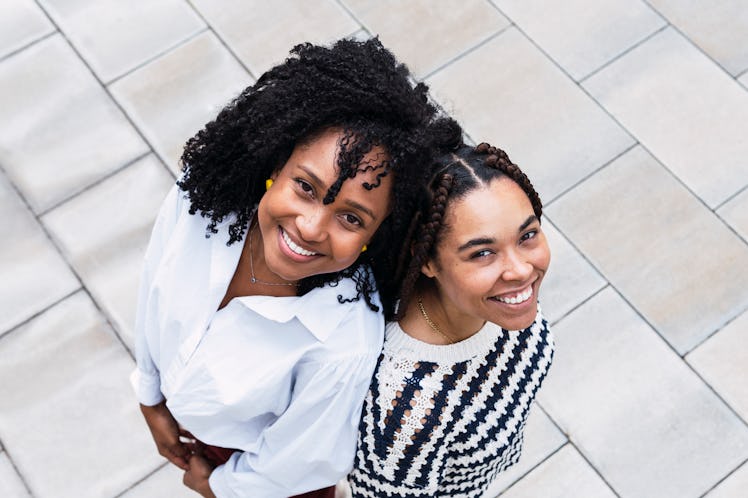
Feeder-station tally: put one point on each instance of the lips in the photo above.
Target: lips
(518, 298)
(294, 247)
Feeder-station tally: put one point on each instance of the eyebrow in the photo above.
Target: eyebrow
(349, 202)
(487, 240)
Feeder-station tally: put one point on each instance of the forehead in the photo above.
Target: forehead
(489, 210)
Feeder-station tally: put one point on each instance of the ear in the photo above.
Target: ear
(429, 268)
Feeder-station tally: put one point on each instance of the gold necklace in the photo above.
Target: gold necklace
(254, 279)
(432, 324)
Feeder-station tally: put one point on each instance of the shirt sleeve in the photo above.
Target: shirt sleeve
(312, 444)
(145, 378)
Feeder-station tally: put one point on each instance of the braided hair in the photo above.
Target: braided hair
(457, 171)
(356, 87)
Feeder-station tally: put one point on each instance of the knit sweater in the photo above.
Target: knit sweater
(445, 420)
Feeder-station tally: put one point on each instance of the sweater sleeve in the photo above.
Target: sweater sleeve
(145, 378)
(312, 444)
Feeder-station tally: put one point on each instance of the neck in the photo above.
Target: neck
(261, 276)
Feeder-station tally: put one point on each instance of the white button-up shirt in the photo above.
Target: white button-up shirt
(281, 378)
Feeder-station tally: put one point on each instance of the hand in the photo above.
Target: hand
(196, 477)
(165, 432)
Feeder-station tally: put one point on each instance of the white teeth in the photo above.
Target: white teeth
(295, 248)
(519, 298)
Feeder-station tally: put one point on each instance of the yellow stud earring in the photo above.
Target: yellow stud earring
(363, 249)
(268, 183)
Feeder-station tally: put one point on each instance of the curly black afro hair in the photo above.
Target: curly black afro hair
(357, 87)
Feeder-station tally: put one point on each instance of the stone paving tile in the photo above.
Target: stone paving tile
(426, 35)
(570, 279)
(722, 360)
(564, 475)
(26, 257)
(653, 92)
(735, 213)
(531, 109)
(720, 30)
(108, 44)
(261, 33)
(166, 482)
(581, 35)
(658, 245)
(11, 485)
(732, 487)
(59, 130)
(21, 22)
(744, 80)
(172, 98)
(634, 409)
(542, 438)
(70, 391)
(104, 232)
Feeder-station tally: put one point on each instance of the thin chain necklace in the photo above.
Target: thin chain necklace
(432, 324)
(256, 280)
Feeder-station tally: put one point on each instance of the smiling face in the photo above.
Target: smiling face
(491, 258)
(301, 236)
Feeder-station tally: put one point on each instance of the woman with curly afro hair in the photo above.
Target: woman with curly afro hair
(259, 324)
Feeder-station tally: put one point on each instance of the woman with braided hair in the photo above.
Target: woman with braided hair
(468, 349)
(257, 336)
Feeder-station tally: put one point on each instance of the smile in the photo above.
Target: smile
(517, 299)
(295, 247)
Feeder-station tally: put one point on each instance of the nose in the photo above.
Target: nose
(312, 225)
(516, 267)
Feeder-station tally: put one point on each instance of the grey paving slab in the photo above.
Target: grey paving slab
(684, 109)
(104, 32)
(104, 232)
(261, 33)
(426, 35)
(581, 35)
(11, 485)
(21, 22)
(166, 482)
(35, 276)
(735, 213)
(59, 130)
(732, 487)
(173, 97)
(659, 246)
(508, 93)
(722, 360)
(542, 438)
(719, 29)
(564, 475)
(744, 79)
(634, 409)
(69, 418)
(570, 278)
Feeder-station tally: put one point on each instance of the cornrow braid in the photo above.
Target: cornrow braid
(499, 159)
(455, 173)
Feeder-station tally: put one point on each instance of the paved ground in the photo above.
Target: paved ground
(631, 117)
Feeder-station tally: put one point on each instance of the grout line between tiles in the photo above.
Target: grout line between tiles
(40, 312)
(731, 197)
(599, 474)
(149, 474)
(724, 478)
(222, 41)
(715, 332)
(740, 75)
(158, 55)
(90, 186)
(624, 53)
(73, 270)
(353, 16)
(583, 301)
(525, 474)
(15, 467)
(688, 38)
(28, 45)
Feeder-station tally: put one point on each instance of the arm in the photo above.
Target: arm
(312, 444)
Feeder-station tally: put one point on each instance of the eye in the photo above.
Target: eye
(528, 235)
(481, 254)
(305, 187)
(352, 219)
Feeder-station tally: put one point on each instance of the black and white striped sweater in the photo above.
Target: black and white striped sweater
(443, 421)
